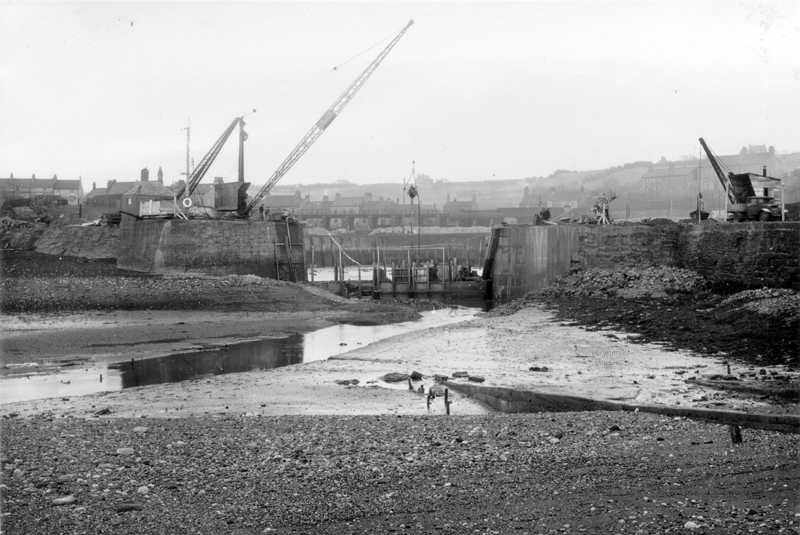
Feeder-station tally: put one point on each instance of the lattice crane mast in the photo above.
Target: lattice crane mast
(201, 169)
(323, 123)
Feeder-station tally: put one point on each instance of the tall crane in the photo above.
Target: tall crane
(200, 171)
(323, 123)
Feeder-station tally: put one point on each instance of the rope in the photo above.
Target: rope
(342, 250)
(336, 67)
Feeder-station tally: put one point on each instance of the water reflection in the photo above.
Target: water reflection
(244, 357)
(237, 358)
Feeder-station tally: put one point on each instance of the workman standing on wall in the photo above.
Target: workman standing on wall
(261, 209)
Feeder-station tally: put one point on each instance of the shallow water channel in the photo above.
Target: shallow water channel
(236, 358)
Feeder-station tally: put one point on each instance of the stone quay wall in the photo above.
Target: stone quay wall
(749, 255)
(738, 255)
(212, 247)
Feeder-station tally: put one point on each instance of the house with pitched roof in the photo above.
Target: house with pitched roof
(110, 196)
(283, 203)
(28, 188)
(670, 180)
(131, 199)
(456, 206)
(345, 206)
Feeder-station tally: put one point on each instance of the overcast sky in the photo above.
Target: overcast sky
(474, 90)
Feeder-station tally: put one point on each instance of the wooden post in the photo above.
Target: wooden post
(410, 387)
(429, 399)
(288, 244)
(394, 278)
(446, 402)
(312, 262)
(360, 292)
(277, 265)
(341, 264)
(335, 273)
(736, 433)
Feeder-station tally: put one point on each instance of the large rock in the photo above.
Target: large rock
(395, 377)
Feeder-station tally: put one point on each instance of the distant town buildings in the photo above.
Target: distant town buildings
(29, 188)
(128, 196)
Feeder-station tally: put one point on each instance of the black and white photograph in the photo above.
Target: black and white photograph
(412, 266)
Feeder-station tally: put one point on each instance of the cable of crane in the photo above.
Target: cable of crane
(721, 163)
(336, 67)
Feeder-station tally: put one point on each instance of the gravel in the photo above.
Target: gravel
(537, 473)
(34, 283)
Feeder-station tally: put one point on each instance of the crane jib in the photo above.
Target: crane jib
(326, 119)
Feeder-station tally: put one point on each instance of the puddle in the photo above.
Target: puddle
(238, 358)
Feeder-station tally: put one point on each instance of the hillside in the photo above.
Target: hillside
(489, 194)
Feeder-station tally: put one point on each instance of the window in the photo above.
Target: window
(129, 201)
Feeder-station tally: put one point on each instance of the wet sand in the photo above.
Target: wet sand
(599, 364)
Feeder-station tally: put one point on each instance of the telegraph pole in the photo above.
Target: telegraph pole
(188, 128)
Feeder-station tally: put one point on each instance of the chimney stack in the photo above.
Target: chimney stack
(145, 175)
(764, 171)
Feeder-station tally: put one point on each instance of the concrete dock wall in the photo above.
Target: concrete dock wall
(741, 254)
(531, 257)
(211, 246)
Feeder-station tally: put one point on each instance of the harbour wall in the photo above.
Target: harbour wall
(213, 247)
(531, 257)
(741, 255)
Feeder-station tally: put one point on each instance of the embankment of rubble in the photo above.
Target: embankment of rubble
(663, 304)
(92, 242)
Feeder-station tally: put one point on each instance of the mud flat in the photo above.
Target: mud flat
(529, 350)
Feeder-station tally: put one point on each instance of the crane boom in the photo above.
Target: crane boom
(200, 171)
(324, 121)
(723, 178)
